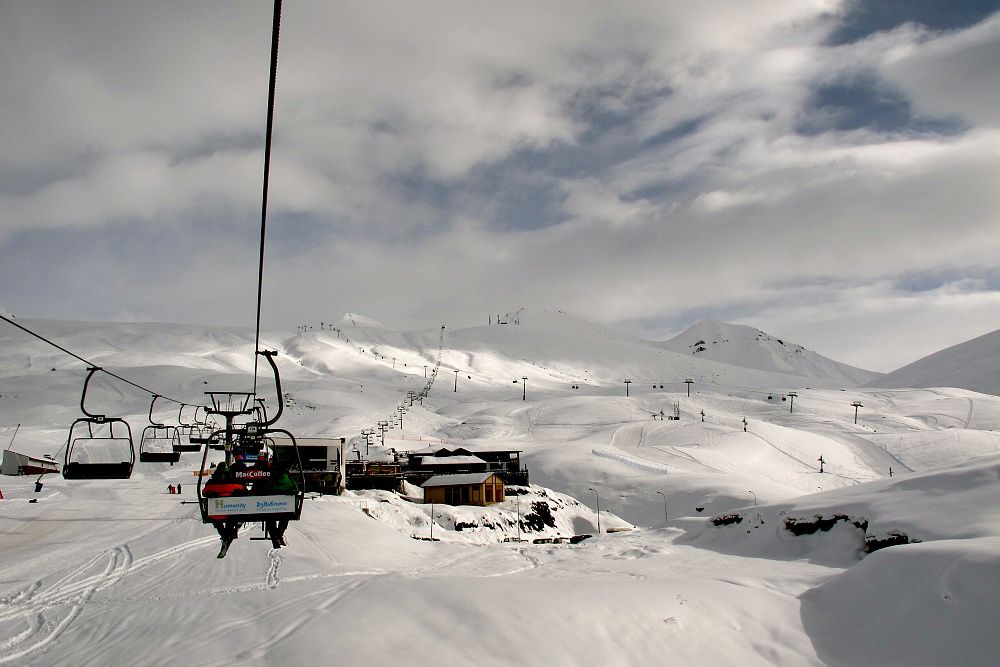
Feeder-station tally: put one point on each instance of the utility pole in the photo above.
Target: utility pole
(518, 500)
(627, 383)
(856, 404)
(524, 388)
(688, 383)
(598, 508)
(791, 401)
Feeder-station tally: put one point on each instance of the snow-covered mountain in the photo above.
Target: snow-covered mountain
(745, 346)
(95, 564)
(974, 365)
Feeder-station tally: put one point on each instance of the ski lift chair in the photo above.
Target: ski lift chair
(251, 507)
(186, 433)
(159, 442)
(83, 446)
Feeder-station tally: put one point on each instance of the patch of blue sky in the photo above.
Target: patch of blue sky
(861, 101)
(867, 17)
(985, 280)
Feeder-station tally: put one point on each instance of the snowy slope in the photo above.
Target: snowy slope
(974, 364)
(741, 345)
(100, 566)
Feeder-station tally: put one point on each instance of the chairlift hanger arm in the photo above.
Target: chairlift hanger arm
(83, 397)
(270, 355)
(151, 404)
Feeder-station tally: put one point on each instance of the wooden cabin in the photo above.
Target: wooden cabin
(481, 488)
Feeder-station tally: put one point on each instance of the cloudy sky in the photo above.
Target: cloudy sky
(827, 171)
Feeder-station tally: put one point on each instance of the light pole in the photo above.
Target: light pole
(517, 499)
(791, 398)
(856, 404)
(627, 383)
(598, 508)
(524, 388)
(664, 506)
(754, 497)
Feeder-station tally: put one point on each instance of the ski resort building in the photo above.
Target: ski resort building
(15, 463)
(506, 463)
(321, 461)
(485, 488)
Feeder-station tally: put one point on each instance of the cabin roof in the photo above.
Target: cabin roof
(458, 480)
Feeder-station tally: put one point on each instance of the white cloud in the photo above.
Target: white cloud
(663, 133)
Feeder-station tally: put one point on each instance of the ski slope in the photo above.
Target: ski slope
(121, 572)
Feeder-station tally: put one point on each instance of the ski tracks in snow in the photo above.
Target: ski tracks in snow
(49, 609)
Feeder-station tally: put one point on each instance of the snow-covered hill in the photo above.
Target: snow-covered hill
(746, 346)
(974, 365)
(98, 564)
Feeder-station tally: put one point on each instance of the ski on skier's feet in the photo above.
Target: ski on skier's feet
(276, 543)
(224, 549)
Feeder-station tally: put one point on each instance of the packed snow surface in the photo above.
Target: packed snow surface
(974, 365)
(121, 572)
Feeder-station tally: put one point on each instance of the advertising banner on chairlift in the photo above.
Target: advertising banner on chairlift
(251, 505)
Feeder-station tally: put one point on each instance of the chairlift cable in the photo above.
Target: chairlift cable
(275, 28)
(89, 363)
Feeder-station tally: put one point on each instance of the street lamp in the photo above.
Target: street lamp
(517, 499)
(598, 508)
(754, 497)
(664, 506)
